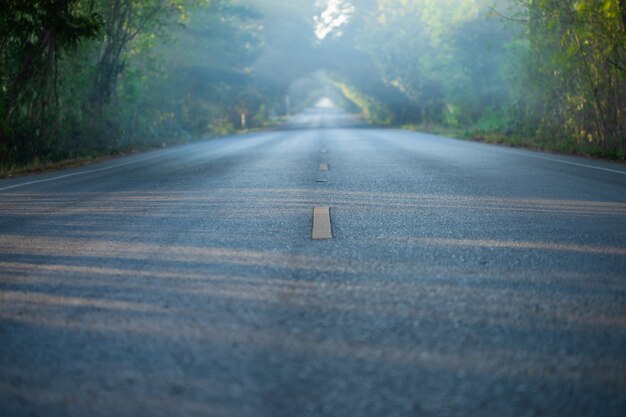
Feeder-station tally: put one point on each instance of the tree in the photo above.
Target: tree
(33, 35)
(581, 47)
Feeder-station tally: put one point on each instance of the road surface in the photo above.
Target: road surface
(461, 279)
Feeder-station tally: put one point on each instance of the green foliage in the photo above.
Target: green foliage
(372, 109)
(85, 76)
(576, 87)
(553, 71)
(81, 76)
(33, 39)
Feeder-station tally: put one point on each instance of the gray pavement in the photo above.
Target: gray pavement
(463, 279)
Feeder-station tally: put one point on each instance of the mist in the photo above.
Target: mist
(117, 75)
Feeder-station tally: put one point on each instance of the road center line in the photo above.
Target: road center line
(322, 228)
(324, 167)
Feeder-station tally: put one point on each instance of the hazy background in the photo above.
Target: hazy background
(90, 77)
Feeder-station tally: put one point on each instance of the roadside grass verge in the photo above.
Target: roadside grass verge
(40, 165)
(566, 147)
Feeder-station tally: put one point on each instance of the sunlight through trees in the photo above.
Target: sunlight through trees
(83, 77)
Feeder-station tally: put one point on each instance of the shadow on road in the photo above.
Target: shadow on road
(97, 313)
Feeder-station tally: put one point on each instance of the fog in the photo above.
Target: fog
(127, 73)
(397, 62)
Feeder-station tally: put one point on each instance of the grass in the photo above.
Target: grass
(563, 147)
(38, 165)
(518, 141)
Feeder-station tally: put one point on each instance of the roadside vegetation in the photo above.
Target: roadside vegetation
(547, 74)
(86, 78)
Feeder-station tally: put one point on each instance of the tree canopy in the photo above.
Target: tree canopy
(85, 76)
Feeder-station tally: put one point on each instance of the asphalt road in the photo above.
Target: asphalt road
(462, 279)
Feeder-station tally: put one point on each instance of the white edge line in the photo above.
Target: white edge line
(615, 171)
(91, 171)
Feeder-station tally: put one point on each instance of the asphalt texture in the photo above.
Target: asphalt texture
(463, 279)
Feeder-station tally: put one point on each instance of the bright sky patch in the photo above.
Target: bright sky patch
(335, 15)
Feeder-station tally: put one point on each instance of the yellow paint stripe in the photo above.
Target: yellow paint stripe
(324, 167)
(322, 228)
